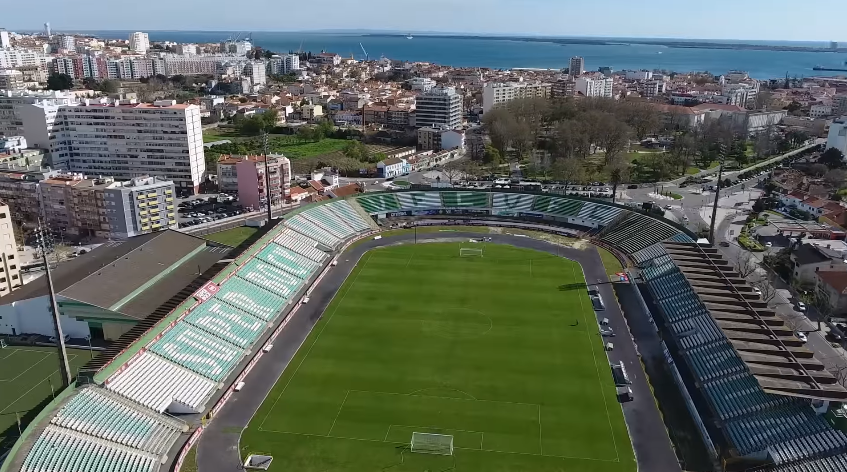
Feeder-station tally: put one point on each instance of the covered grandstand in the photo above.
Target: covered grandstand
(757, 389)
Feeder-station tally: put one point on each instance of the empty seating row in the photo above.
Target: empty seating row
(715, 360)
(739, 395)
(300, 245)
(756, 433)
(602, 214)
(379, 203)
(156, 383)
(197, 351)
(251, 299)
(313, 231)
(696, 331)
(825, 442)
(557, 205)
(95, 412)
(270, 278)
(412, 200)
(825, 464)
(464, 199)
(287, 260)
(329, 222)
(352, 217)
(648, 253)
(512, 201)
(226, 322)
(62, 450)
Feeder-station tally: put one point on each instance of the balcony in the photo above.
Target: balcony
(168, 192)
(145, 228)
(145, 220)
(169, 199)
(154, 211)
(170, 207)
(142, 205)
(150, 195)
(170, 215)
(141, 196)
(156, 225)
(143, 213)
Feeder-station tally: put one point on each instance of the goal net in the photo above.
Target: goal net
(428, 443)
(469, 252)
(3, 343)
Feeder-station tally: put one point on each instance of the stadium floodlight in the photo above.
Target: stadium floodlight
(428, 443)
(469, 252)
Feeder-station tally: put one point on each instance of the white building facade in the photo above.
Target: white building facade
(576, 66)
(498, 94)
(590, 87)
(837, 137)
(139, 42)
(441, 107)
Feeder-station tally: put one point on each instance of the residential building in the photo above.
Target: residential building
(186, 49)
(11, 79)
(498, 94)
(64, 42)
(227, 173)
(285, 64)
(12, 144)
(85, 66)
(837, 137)
(328, 58)
(423, 84)
(576, 66)
(440, 107)
(839, 105)
(256, 71)
(809, 259)
(393, 167)
(311, 112)
(15, 57)
(639, 75)
(10, 271)
(236, 47)
(820, 110)
(139, 42)
(831, 287)
(4, 39)
(562, 88)
(137, 206)
(594, 87)
(654, 88)
(250, 174)
(429, 139)
(33, 115)
(126, 139)
(176, 64)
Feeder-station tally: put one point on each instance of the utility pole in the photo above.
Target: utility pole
(721, 158)
(267, 174)
(64, 368)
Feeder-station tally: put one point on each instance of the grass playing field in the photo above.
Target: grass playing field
(26, 375)
(500, 351)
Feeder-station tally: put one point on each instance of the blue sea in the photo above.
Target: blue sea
(506, 54)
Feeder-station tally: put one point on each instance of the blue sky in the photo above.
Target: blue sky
(718, 19)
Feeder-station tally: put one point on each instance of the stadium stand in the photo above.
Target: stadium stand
(197, 351)
(379, 203)
(464, 200)
(313, 231)
(557, 206)
(512, 201)
(59, 449)
(826, 464)
(762, 401)
(419, 200)
(227, 322)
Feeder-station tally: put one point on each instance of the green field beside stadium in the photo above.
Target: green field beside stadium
(501, 352)
(28, 376)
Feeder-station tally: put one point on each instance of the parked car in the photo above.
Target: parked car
(801, 306)
(801, 336)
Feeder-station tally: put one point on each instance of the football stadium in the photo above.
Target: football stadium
(324, 343)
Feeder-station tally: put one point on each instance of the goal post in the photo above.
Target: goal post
(3, 344)
(428, 443)
(469, 252)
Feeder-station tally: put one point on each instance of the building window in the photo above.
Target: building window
(14, 277)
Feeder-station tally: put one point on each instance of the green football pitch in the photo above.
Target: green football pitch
(501, 352)
(28, 377)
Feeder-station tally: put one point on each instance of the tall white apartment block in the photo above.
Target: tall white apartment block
(33, 115)
(256, 71)
(285, 64)
(654, 88)
(498, 94)
(441, 107)
(5, 42)
(10, 264)
(591, 87)
(65, 42)
(576, 66)
(15, 57)
(161, 139)
(186, 49)
(176, 64)
(139, 42)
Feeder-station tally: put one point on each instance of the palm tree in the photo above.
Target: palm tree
(616, 177)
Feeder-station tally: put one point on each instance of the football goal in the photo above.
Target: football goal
(469, 252)
(3, 343)
(428, 443)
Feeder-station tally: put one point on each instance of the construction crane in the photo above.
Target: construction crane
(363, 50)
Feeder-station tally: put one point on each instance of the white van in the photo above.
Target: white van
(238, 386)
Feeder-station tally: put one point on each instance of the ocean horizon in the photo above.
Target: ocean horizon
(494, 52)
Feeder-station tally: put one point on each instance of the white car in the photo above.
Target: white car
(801, 336)
(768, 244)
(801, 306)
(757, 291)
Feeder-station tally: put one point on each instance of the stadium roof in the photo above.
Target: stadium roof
(117, 276)
(779, 362)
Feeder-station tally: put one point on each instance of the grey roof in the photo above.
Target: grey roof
(809, 254)
(117, 275)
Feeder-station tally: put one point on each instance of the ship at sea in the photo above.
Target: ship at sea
(830, 69)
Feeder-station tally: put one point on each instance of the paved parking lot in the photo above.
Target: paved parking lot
(199, 209)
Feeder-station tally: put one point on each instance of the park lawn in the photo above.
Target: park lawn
(219, 135)
(499, 352)
(232, 237)
(28, 376)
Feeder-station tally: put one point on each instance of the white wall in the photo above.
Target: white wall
(33, 317)
(837, 137)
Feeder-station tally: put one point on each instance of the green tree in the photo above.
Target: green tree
(832, 158)
(60, 82)
(491, 156)
(325, 129)
(109, 86)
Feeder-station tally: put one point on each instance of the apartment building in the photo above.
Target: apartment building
(285, 64)
(498, 94)
(63, 42)
(248, 175)
(139, 42)
(19, 190)
(138, 206)
(13, 58)
(654, 88)
(422, 84)
(11, 79)
(79, 67)
(10, 272)
(33, 115)
(126, 140)
(176, 64)
(562, 88)
(256, 71)
(440, 107)
(576, 66)
(594, 87)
